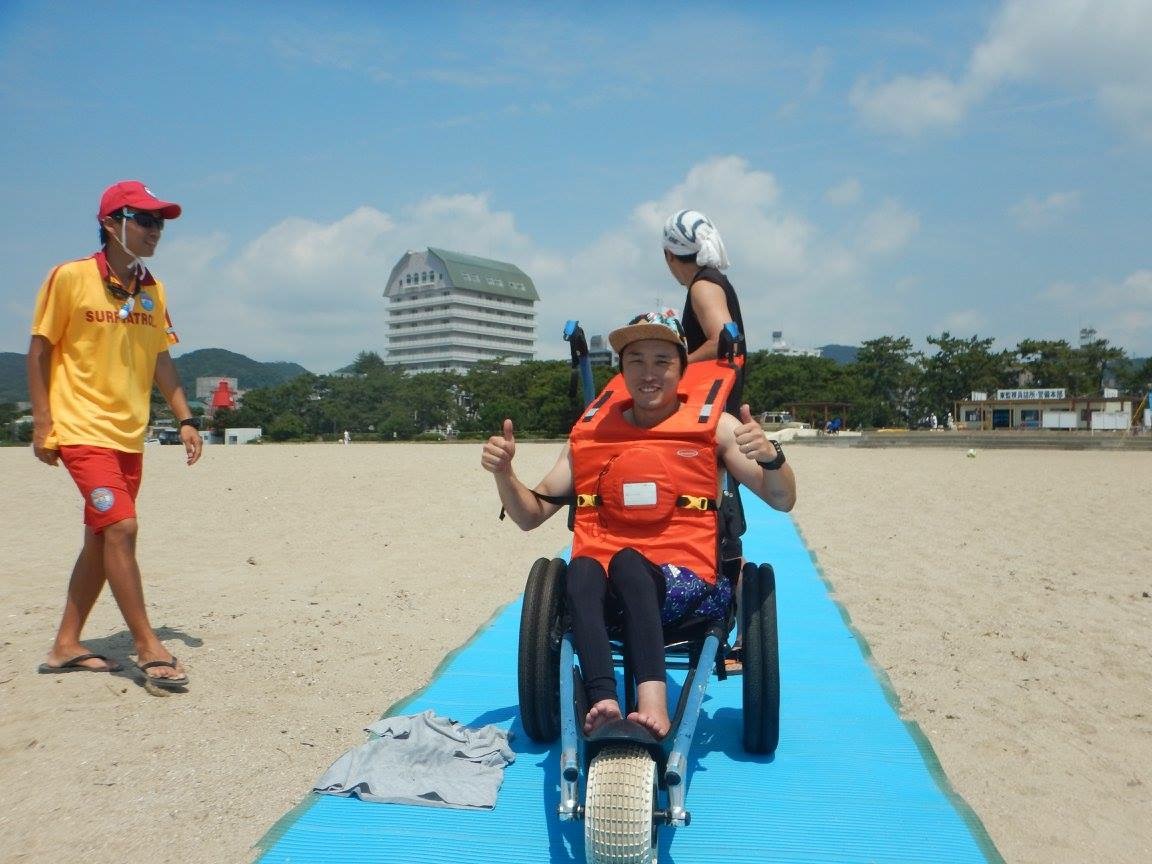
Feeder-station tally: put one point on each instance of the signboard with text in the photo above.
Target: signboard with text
(1032, 393)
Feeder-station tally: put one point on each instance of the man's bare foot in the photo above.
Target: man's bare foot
(652, 707)
(161, 665)
(601, 713)
(657, 724)
(77, 659)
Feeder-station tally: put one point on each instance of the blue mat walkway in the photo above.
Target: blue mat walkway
(849, 783)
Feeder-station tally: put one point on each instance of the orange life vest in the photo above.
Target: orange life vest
(652, 489)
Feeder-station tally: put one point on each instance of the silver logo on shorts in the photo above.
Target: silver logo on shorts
(102, 498)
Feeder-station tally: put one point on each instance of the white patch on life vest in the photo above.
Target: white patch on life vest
(688, 454)
(639, 494)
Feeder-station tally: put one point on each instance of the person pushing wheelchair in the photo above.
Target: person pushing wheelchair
(643, 477)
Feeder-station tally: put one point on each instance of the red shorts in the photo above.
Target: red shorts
(108, 479)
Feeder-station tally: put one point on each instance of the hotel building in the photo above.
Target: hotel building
(449, 311)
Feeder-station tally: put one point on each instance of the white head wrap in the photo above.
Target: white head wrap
(692, 233)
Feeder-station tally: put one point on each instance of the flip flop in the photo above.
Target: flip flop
(169, 683)
(76, 664)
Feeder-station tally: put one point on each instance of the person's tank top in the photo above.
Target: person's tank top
(696, 337)
(692, 329)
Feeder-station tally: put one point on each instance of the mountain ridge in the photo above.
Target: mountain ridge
(203, 362)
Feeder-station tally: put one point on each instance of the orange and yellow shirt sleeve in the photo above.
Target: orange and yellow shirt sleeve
(102, 365)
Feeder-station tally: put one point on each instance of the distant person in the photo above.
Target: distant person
(347, 437)
(100, 338)
(621, 550)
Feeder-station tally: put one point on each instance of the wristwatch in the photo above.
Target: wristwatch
(775, 463)
(194, 422)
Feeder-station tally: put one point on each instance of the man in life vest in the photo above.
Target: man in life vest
(642, 466)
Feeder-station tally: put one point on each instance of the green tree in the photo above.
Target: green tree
(286, 427)
(8, 415)
(1094, 360)
(775, 381)
(958, 367)
(368, 362)
(1135, 378)
(537, 395)
(887, 376)
(1055, 363)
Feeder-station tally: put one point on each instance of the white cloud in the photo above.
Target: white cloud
(1085, 47)
(789, 274)
(1036, 213)
(312, 292)
(910, 106)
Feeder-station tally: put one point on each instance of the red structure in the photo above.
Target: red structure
(223, 397)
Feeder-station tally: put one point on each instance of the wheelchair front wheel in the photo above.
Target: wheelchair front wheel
(620, 807)
(538, 666)
(761, 679)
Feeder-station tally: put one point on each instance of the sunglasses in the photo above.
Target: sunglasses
(144, 220)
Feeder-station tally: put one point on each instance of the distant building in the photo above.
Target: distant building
(449, 311)
(217, 391)
(242, 435)
(779, 346)
(599, 354)
(1046, 408)
(206, 385)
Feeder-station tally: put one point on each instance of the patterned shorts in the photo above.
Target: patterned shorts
(687, 595)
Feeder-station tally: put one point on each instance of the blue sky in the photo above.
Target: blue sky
(879, 168)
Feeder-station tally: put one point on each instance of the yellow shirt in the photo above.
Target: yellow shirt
(102, 366)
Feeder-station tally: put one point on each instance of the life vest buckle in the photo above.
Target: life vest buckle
(695, 502)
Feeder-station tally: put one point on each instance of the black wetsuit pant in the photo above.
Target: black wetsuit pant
(631, 596)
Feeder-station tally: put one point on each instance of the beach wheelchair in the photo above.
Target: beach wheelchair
(633, 782)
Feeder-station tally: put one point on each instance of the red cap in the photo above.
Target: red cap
(134, 194)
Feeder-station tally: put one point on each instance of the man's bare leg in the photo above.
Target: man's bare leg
(123, 575)
(652, 707)
(83, 590)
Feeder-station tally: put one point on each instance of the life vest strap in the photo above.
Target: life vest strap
(558, 500)
(696, 502)
(688, 502)
(584, 499)
(709, 401)
(595, 406)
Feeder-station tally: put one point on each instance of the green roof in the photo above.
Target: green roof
(484, 274)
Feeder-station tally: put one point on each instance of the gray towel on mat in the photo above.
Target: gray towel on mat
(423, 759)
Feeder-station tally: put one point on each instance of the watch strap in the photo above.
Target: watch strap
(773, 465)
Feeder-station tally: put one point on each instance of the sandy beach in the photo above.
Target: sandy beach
(308, 588)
